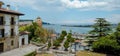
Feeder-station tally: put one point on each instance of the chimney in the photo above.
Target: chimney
(1, 3)
(8, 7)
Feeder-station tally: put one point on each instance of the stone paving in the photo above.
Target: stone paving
(64, 55)
(20, 51)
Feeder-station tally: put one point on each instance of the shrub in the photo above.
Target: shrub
(56, 43)
(66, 45)
(106, 45)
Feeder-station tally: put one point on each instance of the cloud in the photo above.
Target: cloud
(58, 5)
(39, 5)
(115, 18)
(82, 4)
(92, 4)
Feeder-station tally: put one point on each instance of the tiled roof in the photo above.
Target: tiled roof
(6, 11)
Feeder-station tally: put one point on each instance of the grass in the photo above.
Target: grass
(87, 53)
(44, 55)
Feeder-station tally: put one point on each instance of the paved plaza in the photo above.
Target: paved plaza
(20, 51)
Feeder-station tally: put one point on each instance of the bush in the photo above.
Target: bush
(106, 45)
(31, 54)
(66, 45)
(60, 39)
(64, 33)
(49, 44)
(56, 43)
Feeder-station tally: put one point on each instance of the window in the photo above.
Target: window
(12, 32)
(12, 43)
(1, 32)
(1, 20)
(12, 20)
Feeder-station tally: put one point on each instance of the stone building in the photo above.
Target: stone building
(39, 21)
(9, 33)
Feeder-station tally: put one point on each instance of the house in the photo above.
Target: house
(9, 33)
(25, 22)
(23, 38)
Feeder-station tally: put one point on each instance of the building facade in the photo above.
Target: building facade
(9, 33)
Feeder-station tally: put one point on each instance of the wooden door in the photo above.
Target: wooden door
(1, 47)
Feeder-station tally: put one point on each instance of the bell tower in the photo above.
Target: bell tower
(39, 21)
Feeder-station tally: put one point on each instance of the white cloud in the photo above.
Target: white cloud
(82, 4)
(40, 5)
(57, 5)
(115, 18)
(92, 4)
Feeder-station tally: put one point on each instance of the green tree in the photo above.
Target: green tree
(64, 33)
(101, 28)
(106, 45)
(66, 45)
(56, 43)
(31, 29)
(49, 45)
(37, 34)
(70, 39)
(117, 33)
(109, 44)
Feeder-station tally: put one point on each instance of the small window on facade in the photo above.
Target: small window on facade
(12, 20)
(12, 43)
(1, 20)
(12, 32)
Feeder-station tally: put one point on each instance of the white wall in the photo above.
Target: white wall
(16, 25)
(7, 18)
(7, 24)
(20, 39)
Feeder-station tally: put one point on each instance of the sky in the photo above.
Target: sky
(67, 11)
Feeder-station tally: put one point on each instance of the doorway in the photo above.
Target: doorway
(23, 41)
(1, 47)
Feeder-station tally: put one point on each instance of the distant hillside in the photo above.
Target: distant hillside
(21, 20)
(45, 23)
(77, 25)
(113, 25)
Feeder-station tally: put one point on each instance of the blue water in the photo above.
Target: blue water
(59, 28)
